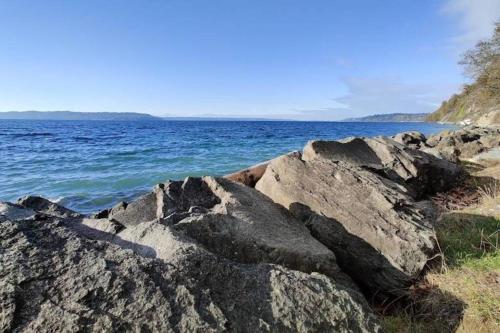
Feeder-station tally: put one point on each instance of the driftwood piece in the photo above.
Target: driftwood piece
(250, 176)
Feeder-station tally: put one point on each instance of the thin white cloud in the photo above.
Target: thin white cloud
(476, 19)
(378, 96)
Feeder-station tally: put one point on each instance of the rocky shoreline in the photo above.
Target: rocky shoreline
(298, 243)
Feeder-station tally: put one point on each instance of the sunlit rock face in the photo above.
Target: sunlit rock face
(67, 273)
(380, 235)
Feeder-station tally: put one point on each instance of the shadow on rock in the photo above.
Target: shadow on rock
(55, 280)
(369, 261)
(91, 232)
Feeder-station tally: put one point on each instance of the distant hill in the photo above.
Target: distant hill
(478, 103)
(471, 106)
(70, 115)
(391, 117)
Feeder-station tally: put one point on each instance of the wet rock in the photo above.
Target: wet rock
(420, 172)
(381, 237)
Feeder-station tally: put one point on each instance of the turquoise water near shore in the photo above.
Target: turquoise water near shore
(90, 165)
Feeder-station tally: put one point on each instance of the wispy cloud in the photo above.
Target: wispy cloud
(475, 18)
(380, 95)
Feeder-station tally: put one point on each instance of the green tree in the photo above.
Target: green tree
(485, 54)
(482, 63)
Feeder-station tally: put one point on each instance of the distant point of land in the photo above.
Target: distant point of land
(71, 115)
(391, 117)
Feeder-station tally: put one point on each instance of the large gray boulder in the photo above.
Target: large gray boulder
(160, 203)
(464, 143)
(248, 227)
(412, 139)
(420, 172)
(234, 221)
(58, 276)
(45, 206)
(381, 237)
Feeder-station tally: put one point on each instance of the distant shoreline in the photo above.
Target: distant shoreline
(72, 115)
(135, 116)
(391, 117)
(221, 120)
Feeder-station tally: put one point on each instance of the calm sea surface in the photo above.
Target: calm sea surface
(90, 165)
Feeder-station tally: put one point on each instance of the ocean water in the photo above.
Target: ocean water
(90, 165)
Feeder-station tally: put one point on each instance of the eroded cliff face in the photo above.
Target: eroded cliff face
(299, 252)
(479, 102)
(469, 107)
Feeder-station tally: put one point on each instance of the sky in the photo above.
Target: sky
(293, 59)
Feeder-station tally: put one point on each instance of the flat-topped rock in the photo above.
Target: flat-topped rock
(381, 237)
(420, 172)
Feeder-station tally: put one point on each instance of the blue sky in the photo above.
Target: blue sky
(316, 60)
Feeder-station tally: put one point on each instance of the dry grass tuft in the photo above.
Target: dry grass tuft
(463, 294)
(489, 200)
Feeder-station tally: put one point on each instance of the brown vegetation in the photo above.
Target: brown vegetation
(479, 101)
(462, 294)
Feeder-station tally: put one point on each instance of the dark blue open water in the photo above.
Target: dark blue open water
(89, 165)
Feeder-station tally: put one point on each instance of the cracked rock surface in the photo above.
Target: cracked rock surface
(76, 273)
(421, 173)
(382, 238)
